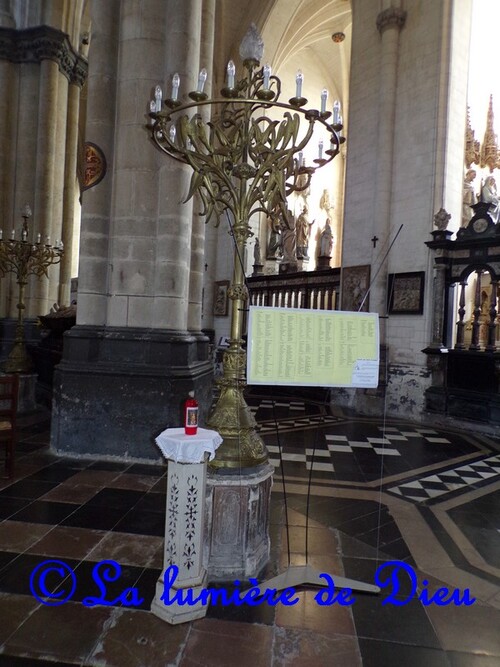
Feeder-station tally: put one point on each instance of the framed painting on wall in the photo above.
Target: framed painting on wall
(406, 293)
(220, 298)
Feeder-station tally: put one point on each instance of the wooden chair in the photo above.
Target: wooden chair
(9, 391)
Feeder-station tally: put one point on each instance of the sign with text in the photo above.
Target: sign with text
(318, 348)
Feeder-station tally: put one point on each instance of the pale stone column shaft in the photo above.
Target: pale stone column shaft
(46, 154)
(8, 123)
(182, 55)
(69, 195)
(96, 202)
(198, 234)
(56, 221)
(389, 24)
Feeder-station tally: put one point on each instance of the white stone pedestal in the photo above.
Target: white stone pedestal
(238, 542)
(184, 523)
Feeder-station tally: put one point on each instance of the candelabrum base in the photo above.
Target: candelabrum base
(18, 360)
(231, 417)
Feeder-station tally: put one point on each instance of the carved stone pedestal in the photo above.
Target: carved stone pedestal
(323, 262)
(238, 522)
(184, 525)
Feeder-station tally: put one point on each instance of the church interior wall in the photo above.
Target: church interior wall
(141, 260)
(426, 166)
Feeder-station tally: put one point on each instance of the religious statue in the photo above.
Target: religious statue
(490, 196)
(326, 240)
(441, 219)
(469, 197)
(275, 245)
(289, 239)
(256, 252)
(325, 204)
(303, 232)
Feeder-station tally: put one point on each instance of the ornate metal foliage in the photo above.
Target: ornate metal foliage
(243, 160)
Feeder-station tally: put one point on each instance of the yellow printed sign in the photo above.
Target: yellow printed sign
(297, 346)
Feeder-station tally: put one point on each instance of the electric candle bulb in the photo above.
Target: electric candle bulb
(301, 159)
(267, 74)
(202, 77)
(152, 106)
(231, 71)
(175, 86)
(158, 97)
(172, 133)
(1, 234)
(324, 97)
(320, 149)
(38, 238)
(336, 112)
(24, 235)
(47, 240)
(299, 80)
(13, 234)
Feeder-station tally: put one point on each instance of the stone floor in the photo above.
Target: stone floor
(379, 491)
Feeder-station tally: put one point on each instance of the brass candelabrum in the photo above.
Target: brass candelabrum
(25, 258)
(244, 162)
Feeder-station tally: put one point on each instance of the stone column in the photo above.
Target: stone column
(96, 202)
(69, 194)
(8, 108)
(389, 24)
(198, 224)
(46, 153)
(130, 361)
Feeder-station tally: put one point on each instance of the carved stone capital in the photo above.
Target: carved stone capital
(393, 17)
(43, 43)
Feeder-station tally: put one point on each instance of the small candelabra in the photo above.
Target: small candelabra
(24, 258)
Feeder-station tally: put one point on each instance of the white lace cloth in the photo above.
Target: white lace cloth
(181, 448)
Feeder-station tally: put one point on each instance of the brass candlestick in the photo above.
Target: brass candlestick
(25, 258)
(243, 163)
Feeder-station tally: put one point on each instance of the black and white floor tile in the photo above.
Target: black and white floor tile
(447, 481)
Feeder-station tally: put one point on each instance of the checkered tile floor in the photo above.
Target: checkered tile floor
(288, 416)
(432, 486)
(337, 448)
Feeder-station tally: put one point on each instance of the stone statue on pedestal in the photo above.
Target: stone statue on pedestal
(469, 197)
(303, 232)
(326, 240)
(289, 239)
(275, 245)
(490, 196)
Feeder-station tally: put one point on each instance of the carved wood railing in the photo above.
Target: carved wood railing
(318, 290)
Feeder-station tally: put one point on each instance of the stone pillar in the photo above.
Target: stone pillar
(96, 202)
(46, 153)
(8, 108)
(69, 194)
(130, 361)
(198, 223)
(389, 23)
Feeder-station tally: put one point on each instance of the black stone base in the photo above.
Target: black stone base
(462, 404)
(116, 389)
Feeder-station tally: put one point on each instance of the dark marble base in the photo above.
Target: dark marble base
(117, 389)
(474, 406)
